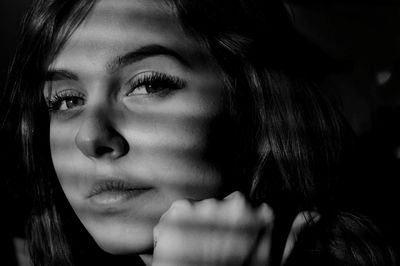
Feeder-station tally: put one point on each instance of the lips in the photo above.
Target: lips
(113, 191)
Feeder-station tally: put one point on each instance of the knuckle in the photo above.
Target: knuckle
(238, 201)
(180, 204)
(208, 203)
(266, 213)
(236, 195)
(177, 209)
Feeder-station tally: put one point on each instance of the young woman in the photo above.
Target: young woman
(145, 117)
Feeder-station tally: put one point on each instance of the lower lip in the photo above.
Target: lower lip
(109, 198)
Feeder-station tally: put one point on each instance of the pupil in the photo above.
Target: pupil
(72, 102)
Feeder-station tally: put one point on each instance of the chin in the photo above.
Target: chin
(119, 239)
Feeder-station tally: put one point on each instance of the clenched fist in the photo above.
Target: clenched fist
(219, 232)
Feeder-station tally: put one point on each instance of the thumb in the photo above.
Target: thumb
(302, 220)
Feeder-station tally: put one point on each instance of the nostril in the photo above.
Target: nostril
(97, 138)
(102, 150)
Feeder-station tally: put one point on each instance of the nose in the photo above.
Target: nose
(98, 138)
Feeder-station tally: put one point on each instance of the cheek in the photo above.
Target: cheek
(173, 152)
(68, 165)
(60, 145)
(184, 139)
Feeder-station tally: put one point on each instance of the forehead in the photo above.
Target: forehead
(118, 26)
(111, 19)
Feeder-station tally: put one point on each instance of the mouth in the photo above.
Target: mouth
(113, 191)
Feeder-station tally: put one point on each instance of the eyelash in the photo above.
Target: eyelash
(162, 83)
(54, 103)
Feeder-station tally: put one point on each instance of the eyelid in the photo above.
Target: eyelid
(172, 82)
(65, 92)
(133, 80)
(53, 87)
(60, 96)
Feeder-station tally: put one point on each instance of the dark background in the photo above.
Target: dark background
(364, 37)
(12, 195)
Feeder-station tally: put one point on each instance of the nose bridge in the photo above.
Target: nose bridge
(94, 124)
(98, 136)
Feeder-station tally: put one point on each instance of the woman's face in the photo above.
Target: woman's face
(133, 104)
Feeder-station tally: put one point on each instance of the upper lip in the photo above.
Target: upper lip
(115, 185)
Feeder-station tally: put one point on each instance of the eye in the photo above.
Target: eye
(70, 103)
(154, 83)
(66, 100)
(145, 89)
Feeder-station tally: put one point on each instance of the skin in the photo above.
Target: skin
(103, 129)
(135, 106)
(228, 232)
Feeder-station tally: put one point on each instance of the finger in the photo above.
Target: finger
(266, 213)
(234, 195)
(260, 252)
(302, 220)
(177, 208)
(156, 235)
(261, 249)
(237, 207)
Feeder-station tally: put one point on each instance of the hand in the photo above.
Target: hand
(217, 233)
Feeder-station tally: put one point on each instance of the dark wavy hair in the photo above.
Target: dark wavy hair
(294, 137)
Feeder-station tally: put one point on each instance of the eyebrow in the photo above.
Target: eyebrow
(142, 53)
(60, 74)
(121, 61)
